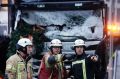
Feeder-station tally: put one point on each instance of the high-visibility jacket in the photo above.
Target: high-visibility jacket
(84, 68)
(17, 68)
(51, 71)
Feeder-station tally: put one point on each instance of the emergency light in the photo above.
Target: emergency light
(113, 29)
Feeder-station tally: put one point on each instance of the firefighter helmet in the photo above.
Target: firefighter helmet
(79, 42)
(23, 42)
(56, 42)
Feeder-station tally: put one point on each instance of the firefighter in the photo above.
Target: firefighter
(51, 64)
(83, 65)
(19, 66)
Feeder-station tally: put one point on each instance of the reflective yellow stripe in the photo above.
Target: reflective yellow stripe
(46, 62)
(20, 64)
(19, 76)
(9, 67)
(13, 69)
(83, 67)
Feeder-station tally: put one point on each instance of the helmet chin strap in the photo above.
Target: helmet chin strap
(23, 52)
(28, 58)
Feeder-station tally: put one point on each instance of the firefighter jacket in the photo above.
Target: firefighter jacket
(83, 67)
(53, 70)
(18, 68)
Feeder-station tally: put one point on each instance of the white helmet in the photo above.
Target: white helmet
(56, 42)
(79, 42)
(24, 42)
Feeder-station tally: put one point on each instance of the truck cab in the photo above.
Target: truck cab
(66, 20)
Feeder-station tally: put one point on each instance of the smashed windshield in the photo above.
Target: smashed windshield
(67, 25)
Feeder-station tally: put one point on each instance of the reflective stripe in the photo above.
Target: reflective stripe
(47, 64)
(19, 76)
(46, 61)
(46, 57)
(20, 64)
(83, 67)
(60, 66)
(58, 57)
(13, 69)
(9, 66)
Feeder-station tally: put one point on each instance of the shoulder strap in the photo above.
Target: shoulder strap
(41, 64)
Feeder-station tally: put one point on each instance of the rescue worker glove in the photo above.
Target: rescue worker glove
(94, 58)
(59, 57)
